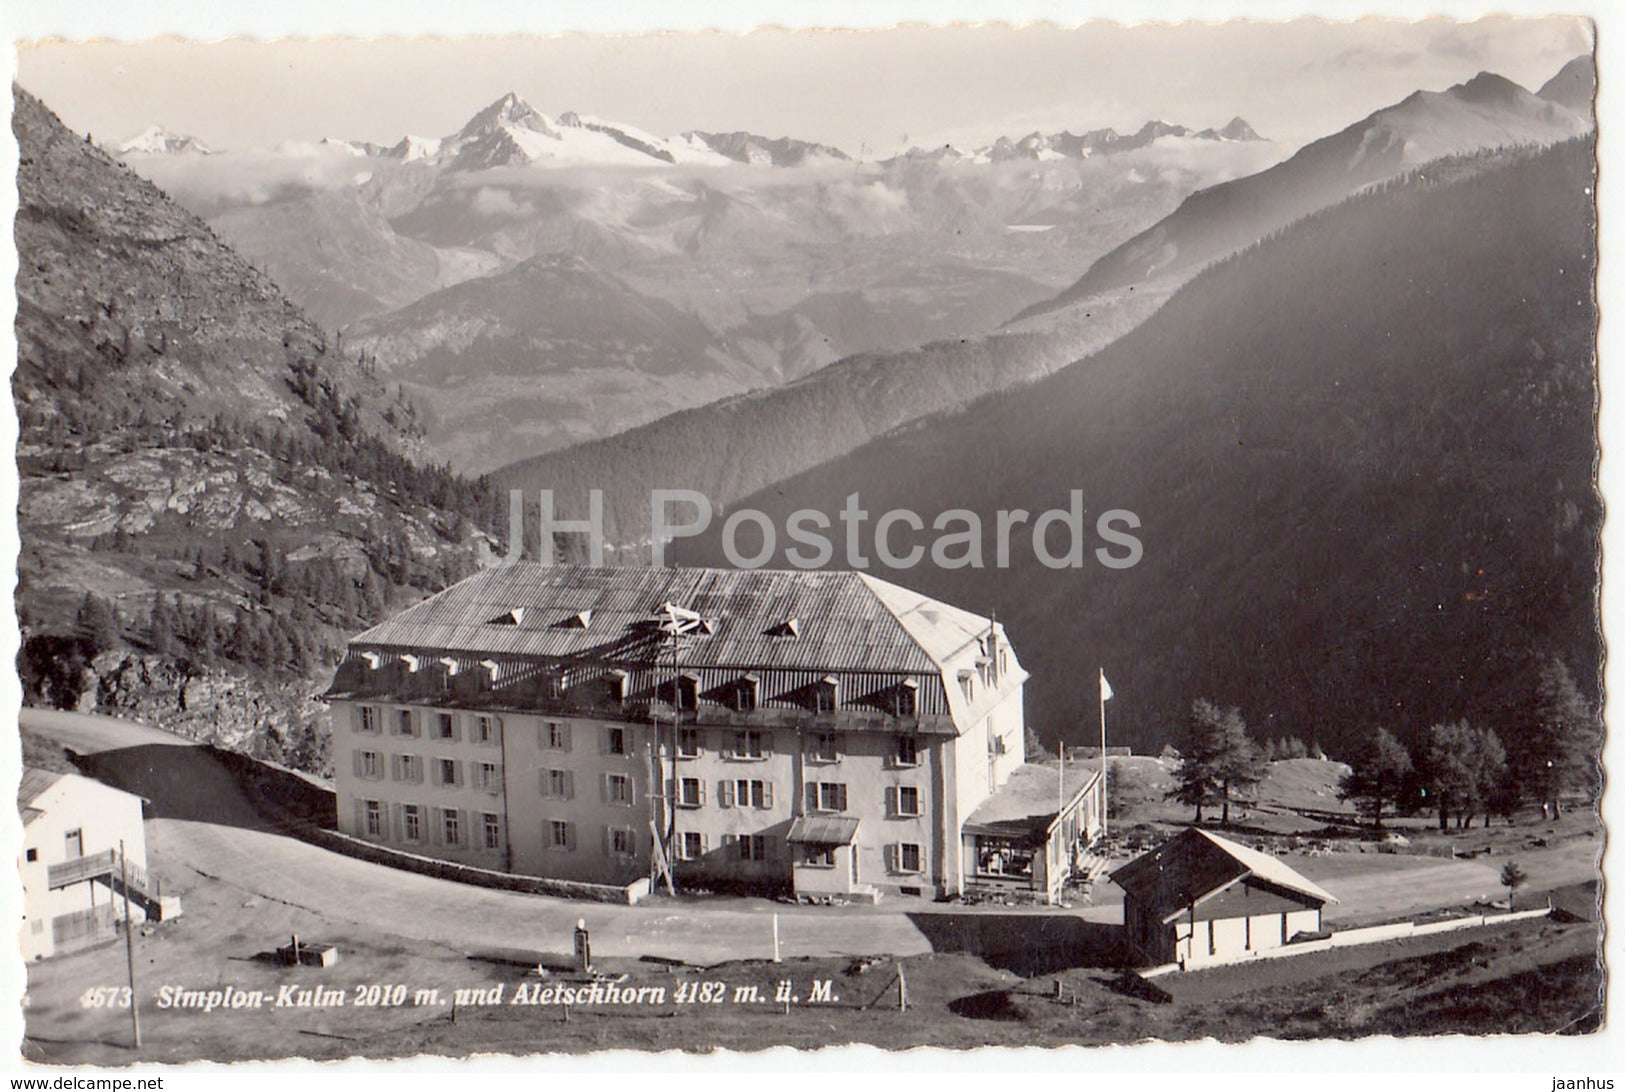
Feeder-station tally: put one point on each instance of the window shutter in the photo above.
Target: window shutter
(840, 793)
(569, 836)
(356, 761)
(705, 843)
(360, 817)
(812, 796)
(437, 825)
(632, 842)
(767, 744)
(894, 802)
(603, 741)
(767, 794)
(609, 843)
(701, 783)
(725, 794)
(893, 856)
(394, 767)
(603, 785)
(541, 736)
(569, 784)
(417, 770)
(567, 733)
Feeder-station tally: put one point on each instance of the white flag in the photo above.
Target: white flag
(1105, 688)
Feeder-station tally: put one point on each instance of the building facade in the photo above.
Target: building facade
(73, 828)
(820, 732)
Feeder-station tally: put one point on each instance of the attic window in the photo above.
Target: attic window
(967, 683)
(372, 659)
(688, 691)
(412, 663)
(616, 683)
(449, 664)
(508, 618)
(747, 694)
(905, 698)
(790, 627)
(825, 695)
(488, 672)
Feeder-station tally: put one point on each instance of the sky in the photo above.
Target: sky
(876, 90)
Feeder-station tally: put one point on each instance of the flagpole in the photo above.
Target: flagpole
(1104, 805)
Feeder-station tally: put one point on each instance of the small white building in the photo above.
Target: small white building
(70, 869)
(1201, 900)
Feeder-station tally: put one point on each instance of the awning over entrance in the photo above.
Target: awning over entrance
(823, 830)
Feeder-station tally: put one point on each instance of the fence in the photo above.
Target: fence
(79, 928)
(1373, 934)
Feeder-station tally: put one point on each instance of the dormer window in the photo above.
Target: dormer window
(488, 673)
(372, 660)
(615, 681)
(448, 665)
(967, 683)
(508, 617)
(412, 663)
(790, 627)
(825, 694)
(747, 694)
(582, 619)
(688, 691)
(905, 698)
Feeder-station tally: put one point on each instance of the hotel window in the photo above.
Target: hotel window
(448, 771)
(618, 789)
(488, 777)
(690, 792)
(484, 730)
(824, 695)
(907, 752)
(747, 793)
(906, 857)
(752, 847)
(826, 747)
(747, 694)
(905, 801)
(826, 796)
(407, 768)
(688, 743)
(622, 841)
(615, 741)
(560, 834)
(556, 736)
(444, 726)
(405, 725)
(559, 783)
(369, 719)
(749, 745)
(375, 819)
(369, 765)
(693, 845)
(412, 822)
(450, 826)
(493, 831)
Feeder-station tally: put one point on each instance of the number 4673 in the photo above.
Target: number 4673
(105, 997)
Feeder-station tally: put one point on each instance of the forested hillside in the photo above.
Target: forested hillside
(1362, 453)
(210, 496)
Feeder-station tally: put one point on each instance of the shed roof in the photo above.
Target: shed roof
(843, 620)
(32, 786)
(1195, 864)
(823, 830)
(1030, 802)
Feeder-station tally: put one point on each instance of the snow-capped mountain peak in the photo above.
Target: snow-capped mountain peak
(156, 140)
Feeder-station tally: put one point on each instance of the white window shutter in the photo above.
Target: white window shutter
(609, 842)
(604, 789)
(724, 793)
(569, 784)
(767, 795)
(812, 796)
(701, 783)
(569, 836)
(893, 801)
(356, 760)
(892, 856)
(568, 733)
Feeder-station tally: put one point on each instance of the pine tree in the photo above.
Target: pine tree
(1217, 760)
(1377, 775)
(1560, 752)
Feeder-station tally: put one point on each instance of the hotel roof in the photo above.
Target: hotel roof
(828, 620)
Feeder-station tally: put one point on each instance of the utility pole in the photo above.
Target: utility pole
(129, 946)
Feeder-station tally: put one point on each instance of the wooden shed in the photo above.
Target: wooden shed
(1199, 899)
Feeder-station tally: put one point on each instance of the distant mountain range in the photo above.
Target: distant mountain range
(1362, 457)
(510, 132)
(771, 271)
(776, 433)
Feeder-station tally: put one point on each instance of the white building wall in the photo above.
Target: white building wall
(102, 816)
